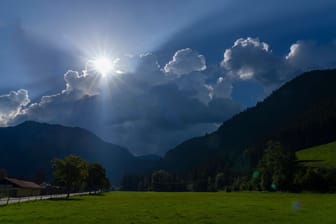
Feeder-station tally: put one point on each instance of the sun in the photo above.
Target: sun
(103, 65)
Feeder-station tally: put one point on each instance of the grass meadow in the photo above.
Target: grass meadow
(151, 207)
(319, 156)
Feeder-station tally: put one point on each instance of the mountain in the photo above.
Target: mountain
(150, 157)
(28, 149)
(300, 114)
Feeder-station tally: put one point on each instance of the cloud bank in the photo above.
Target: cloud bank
(251, 58)
(149, 107)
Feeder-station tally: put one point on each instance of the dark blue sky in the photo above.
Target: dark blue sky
(153, 100)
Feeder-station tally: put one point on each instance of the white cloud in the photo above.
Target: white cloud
(143, 68)
(61, 107)
(142, 63)
(185, 61)
(11, 105)
(308, 55)
(84, 84)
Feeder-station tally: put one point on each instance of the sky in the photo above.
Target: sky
(173, 69)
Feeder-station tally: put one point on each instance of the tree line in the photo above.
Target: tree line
(276, 170)
(74, 174)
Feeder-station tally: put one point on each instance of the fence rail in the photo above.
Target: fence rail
(12, 200)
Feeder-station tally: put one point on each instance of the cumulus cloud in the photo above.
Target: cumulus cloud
(308, 55)
(185, 61)
(194, 86)
(201, 81)
(63, 107)
(140, 102)
(132, 119)
(222, 88)
(83, 84)
(143, 68)
(11, 105)
(143, 63)
(149, 109)
(250, 58)
(165, 116)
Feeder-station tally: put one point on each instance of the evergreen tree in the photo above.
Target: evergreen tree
(276, 167)
(161, 181)
(220, 181)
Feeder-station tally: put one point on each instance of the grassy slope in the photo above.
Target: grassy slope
(125, 207)
(324, 154)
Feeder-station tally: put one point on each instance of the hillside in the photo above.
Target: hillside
(300, 114)
(319, 156)
(28, 149)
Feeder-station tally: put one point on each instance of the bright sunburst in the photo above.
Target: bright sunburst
(103, 65)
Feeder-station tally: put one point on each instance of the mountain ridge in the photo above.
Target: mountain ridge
(34, 145)
(274, 118)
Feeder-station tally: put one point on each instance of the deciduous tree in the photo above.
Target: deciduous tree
(70, 172)
(97, 179)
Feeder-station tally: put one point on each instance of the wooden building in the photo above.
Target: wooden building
(20, 188)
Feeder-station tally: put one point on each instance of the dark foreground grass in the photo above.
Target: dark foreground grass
(137, 207)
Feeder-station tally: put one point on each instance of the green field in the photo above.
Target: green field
(319, 156)
(138, 207)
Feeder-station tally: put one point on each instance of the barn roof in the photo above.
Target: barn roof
(23, 183)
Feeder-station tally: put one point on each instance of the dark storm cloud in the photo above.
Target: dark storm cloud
(250, 58)
(142, 102)
(150, 104)
(147, 110)
(308, 55)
